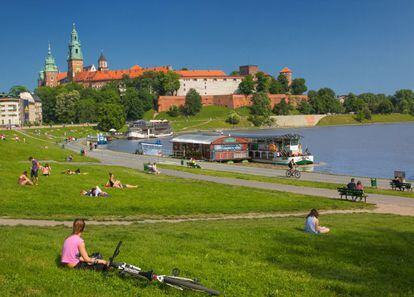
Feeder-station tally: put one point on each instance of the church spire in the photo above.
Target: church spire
(75, 50)
(50, 64)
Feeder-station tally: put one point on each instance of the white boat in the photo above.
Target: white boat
(280, 149)
(149, 129)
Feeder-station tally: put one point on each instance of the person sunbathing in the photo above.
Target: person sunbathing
(24, 180)
(71, 172)
(114, 183)
(95, 192)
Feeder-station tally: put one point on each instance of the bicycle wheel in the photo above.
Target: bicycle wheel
(297, 174)
(288, 173)
(187, 284)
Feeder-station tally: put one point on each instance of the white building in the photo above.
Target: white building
(207, 82)
(20, 111)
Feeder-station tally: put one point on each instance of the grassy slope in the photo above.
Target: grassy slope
(348, 119)
(210, 117)
(58, 196)
(59, 134)
(281, 180)
(365, 255)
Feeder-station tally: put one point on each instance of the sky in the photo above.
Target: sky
(347, 45)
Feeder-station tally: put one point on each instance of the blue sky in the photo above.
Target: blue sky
(348, 45)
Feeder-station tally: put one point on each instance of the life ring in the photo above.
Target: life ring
(272, 147)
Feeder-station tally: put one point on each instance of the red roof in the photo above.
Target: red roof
(200, 73)
(285, 70)
(107, 75)
(61, 75)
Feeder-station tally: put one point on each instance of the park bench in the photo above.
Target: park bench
(147, 168)
(401, 186)
(353, 194)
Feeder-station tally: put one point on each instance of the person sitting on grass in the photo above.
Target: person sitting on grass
(74, 254)
(24, 180)
(95, 192)
(153, 168)
(114, 183)
(46, 170)
(69, 158)
(312, 223)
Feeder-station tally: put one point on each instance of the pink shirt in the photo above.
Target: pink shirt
(70, 250)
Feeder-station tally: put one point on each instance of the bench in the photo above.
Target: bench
(401, 186)
(353, 194)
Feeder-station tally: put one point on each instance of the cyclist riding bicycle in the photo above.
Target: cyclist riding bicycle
(292, 164)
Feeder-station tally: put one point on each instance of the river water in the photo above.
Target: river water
(366, 150)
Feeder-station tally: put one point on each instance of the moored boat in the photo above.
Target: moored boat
(149, 129)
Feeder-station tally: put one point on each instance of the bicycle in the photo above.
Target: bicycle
(293, 173)
(174, 280)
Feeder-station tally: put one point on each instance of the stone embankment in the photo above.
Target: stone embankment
(309, 120)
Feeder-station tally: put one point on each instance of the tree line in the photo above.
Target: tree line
(326, 101)
(111, 105)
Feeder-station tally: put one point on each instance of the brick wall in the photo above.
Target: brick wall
(230, 101)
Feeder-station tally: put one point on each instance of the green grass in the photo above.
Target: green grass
(282, 180)
(364, 255)
(58, 196)
(347, 119)
(57, 134)
(210, 118)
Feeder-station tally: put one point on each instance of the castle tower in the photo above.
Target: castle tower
(48, 76)
(287, 73)
(75, 57)
(102, 63)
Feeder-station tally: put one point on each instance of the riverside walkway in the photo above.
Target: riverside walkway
(385, 203)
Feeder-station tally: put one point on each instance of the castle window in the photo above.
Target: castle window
(235, 79)
(224, 79)
(205, 79)
(76, 50)
(195, 79)
(214, 79)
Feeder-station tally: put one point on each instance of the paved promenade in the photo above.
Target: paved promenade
(385, 203)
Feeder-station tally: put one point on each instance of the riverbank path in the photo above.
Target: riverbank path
(385, 203)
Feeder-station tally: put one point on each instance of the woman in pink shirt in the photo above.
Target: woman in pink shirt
(74, 254)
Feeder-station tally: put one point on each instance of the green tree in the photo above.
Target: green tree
(132, 104)
(47, 96)
(66, 106)
(147, 99)
(284, 83)
(260, 110)
(282, 108)
(305, 108)
(324, 101)
(400, 97)
(385, 107)
(262, 82)
(108, 95)
(298, 86)
(233, 118)
(246, 86)
(234, 73)
(16, 90)
(168, 83)
(173, 111)
(276, 87)
(367, 113)
(86, 111)
(111, 116)
(192, 104)
(353, 103)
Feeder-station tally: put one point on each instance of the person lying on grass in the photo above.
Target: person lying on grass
(74, 254)
(95, 192)
(312, 223)
(71, 172)
(114, 183)
(24, 180)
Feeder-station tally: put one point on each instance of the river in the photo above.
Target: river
(362, 150)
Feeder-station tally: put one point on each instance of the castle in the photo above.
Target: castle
(215, 86)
